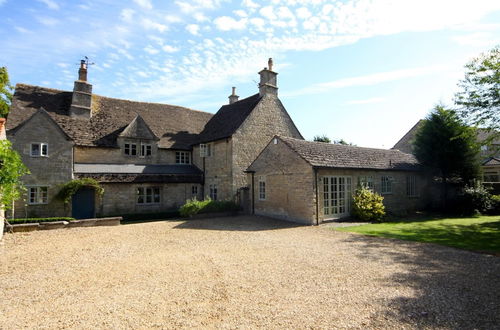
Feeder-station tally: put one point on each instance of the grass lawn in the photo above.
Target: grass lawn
(480, 234)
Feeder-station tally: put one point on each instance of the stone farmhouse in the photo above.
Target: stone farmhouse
(153, 157)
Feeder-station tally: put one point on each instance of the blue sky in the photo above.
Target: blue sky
(363, 70)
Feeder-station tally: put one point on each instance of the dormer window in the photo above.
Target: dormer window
(39, 150)
(130, 149)
(182, 157)
(146, 150)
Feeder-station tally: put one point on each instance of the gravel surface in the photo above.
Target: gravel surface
(243, 272)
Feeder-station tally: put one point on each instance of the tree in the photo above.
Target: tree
(322, 138)
(343, 142)
(479, 98)
(11, 171)
(5, 92)
(444, 143)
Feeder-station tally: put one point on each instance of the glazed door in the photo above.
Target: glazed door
(336, 196)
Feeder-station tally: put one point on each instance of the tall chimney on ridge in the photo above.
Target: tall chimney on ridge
(268, 83)
(233, 97)
(81, 101)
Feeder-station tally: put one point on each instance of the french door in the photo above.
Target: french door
(336, 196)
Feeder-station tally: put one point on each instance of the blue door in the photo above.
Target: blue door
(83, 203)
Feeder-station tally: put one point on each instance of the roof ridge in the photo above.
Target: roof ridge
(21, 85)
(343, 145)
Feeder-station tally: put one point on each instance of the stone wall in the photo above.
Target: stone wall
(290, 190)
(121, 198)
(217, 167)
(269, 118)
(48, 171)
(397, 202)
(117, 156)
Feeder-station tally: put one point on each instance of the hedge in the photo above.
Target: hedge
(194, 206)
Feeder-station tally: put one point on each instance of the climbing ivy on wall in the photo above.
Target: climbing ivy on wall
(71, 187)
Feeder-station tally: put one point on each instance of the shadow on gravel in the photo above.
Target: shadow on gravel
(453, 288)
(237, 223)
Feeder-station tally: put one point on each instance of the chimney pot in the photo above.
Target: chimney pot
(233, 97)
(268, 82)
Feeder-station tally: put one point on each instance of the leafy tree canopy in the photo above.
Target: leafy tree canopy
(479, 97)
(322, 138)
(343, 142)
(5, 92)
(11, 171)
(446, 144)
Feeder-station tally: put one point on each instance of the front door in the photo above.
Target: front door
(83, 203)
(336, 196)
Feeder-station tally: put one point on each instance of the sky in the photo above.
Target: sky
(363, 70)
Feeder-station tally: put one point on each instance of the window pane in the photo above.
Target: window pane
(35, 149)
(45, 149)
(133, 150)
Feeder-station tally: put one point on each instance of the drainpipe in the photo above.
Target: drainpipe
(203, 181)
(317, 195)
(253, 192)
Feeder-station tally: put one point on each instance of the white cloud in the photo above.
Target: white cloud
(268, 12)
(50, 3)
(151, 25)
(366, 101)
(194, 29)
(199, 17)
(371, 79)
(127, 14)
(226, 23)
(477, 39)
(21, 29)
(258, 23)
(240, 13)
(47, 21)
(173, 19)
(303, 13)
(146, 4)
(170, 49)
(250, 4)
(191, 6)
(151, 50)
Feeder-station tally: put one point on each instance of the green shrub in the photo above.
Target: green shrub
(194, 206)
(495, 205)
(38, 220)
(474, 199)
(367, 205)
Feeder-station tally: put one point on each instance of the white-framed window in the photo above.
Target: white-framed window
(366, 182)
(262, 188)
(213, 192)
(38, 195)
(148, 195)
(194, 191)
(386, 184)
(146, 150)
(39, 149)
(206, 150)
(182, 157)
(411, 186)
(130, 149)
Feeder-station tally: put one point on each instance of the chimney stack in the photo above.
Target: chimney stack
(268, 82)
(233, 97)
(81, 101)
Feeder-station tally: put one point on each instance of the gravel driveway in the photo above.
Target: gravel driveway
(246, 272)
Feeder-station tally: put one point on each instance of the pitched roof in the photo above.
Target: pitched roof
(405, 144)
(492, 161)
(320, 154)
(138, 129)
(228, 119)
(177, 127)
